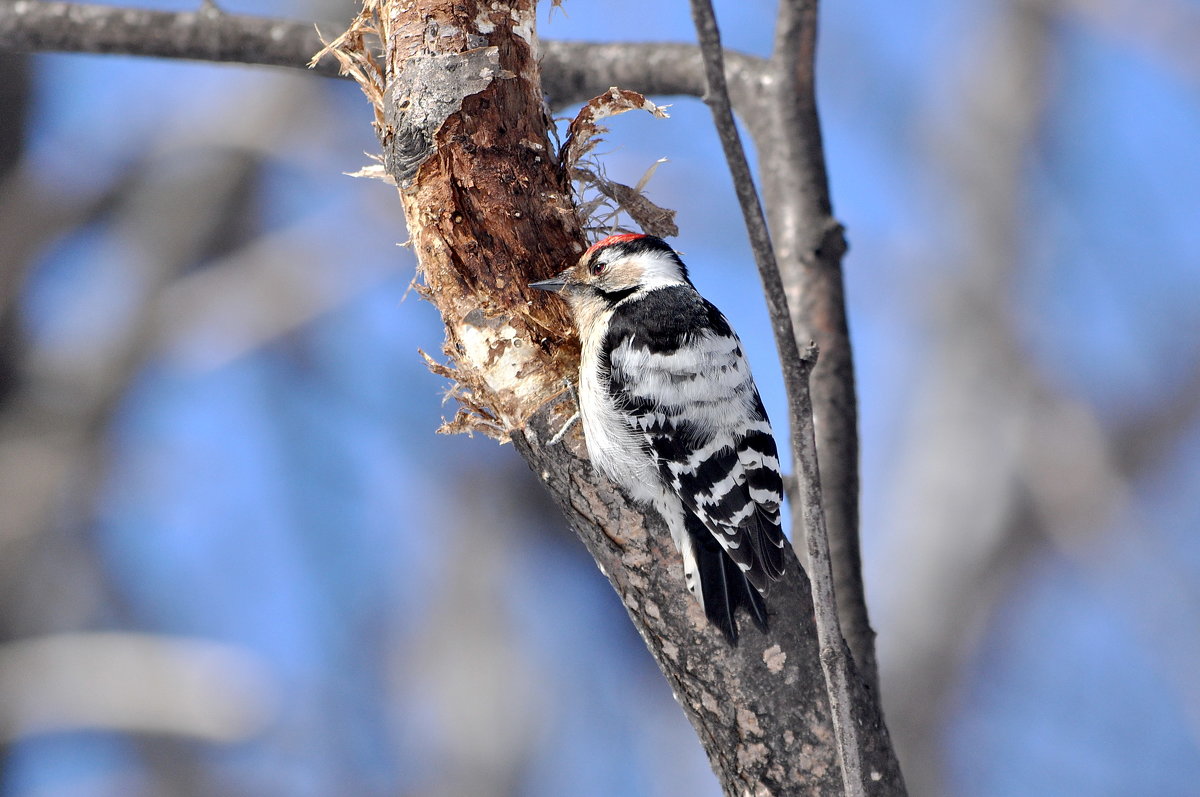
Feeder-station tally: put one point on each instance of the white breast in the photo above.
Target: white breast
(616, 448)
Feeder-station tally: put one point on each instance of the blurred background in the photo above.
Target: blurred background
(236, 559)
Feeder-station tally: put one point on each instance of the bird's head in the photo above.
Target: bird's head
(616, 267)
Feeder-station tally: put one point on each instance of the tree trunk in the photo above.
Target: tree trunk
(460, 115)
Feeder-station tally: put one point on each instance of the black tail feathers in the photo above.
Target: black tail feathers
(725, 587)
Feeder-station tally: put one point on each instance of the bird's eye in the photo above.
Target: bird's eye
(597, 267)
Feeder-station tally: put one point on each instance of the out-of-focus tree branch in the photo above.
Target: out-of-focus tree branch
(967, 521)
(131, 682)
(15, 84)
(257, 294)
(1168, 30)
(205, 35)
(54, 432)
(59, 412)
(492, 707)
(1002, 467)
(1138, 445)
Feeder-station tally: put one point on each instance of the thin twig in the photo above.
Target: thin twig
(835, 661)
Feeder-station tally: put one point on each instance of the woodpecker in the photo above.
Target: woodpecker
(671, 414)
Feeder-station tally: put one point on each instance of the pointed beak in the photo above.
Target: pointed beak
(555, 283)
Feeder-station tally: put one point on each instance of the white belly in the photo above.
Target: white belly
(616, 449)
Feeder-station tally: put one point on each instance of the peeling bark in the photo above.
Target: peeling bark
(487, 209)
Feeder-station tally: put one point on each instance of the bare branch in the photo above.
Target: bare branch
(574, 72)
(793, 62)
(809, 243)
(848, 700)
(205, 35)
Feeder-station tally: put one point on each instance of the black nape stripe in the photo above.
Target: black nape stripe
(613, 297)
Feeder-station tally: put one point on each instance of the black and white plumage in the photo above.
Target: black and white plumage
(671, 414)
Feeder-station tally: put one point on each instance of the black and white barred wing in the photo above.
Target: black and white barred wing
(697, 406)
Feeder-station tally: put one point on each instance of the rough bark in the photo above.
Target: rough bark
(759, 709)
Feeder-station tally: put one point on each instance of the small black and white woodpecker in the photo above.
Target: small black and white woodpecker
(671, 414)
